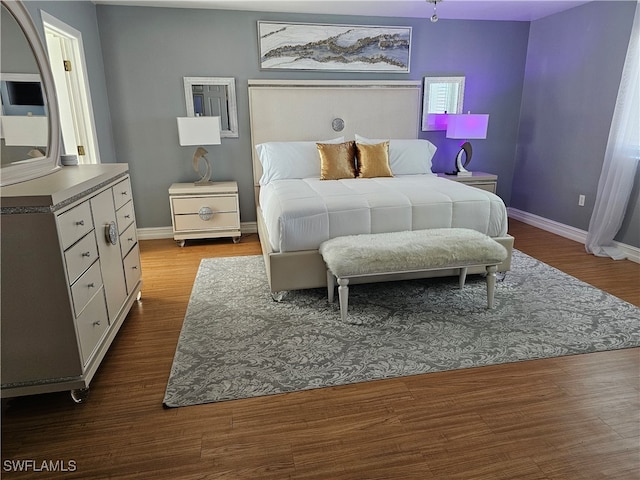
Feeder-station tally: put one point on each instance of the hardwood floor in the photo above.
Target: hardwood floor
(573, 417)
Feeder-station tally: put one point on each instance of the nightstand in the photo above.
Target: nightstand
(204, 211)
(481, 180)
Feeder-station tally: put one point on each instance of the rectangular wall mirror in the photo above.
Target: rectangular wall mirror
(441, 95)
(213, 97)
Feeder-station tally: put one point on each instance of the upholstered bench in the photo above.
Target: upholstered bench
(410, 252)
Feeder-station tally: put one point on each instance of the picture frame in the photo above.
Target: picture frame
(332, 47)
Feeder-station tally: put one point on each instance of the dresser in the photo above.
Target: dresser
(70, 274)
(204, 211)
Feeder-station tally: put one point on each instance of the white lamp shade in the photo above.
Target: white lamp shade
(25, 131)
(467, 126)
(199, 130)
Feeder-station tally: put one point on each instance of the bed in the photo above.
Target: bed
(297, 210)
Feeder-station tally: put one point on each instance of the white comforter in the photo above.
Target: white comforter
(301, 214)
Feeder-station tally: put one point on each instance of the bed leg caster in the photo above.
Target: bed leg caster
(79, 395)
(278, 296)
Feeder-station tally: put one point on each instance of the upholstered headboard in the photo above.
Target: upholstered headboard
(303, 110)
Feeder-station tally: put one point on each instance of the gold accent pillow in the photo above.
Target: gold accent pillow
(373, 160)
(337, 160)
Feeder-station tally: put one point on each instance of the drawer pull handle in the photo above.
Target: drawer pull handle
(124, 193)
(127, 216)
(205, 213)
(91, 285)
(80, 222)
(134, 267)
(96, 323)
(86, 254)
(130, 239)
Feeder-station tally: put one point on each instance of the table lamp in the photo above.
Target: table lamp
(199, 131)
(466, 126)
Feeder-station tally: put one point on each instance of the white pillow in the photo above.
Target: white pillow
(406, 157)
(281, 160)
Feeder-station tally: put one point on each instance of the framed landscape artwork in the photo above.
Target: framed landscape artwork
(352, 48)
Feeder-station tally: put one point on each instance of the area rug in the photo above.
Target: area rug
(237, 342)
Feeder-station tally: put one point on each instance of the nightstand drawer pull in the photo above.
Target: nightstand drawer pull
(205, 213)
(86, 254)
(81, 222)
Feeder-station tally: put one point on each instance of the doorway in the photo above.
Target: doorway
(66, 56)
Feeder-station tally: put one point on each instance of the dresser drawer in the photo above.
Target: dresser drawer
(125, 216)
(74, 224)
(86, 287)
(192, 205)
(128, 239)
(80, 257)
(92, 324)
(132, 270)
(122, 193)
(217, 221)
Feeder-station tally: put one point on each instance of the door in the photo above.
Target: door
(66, 56)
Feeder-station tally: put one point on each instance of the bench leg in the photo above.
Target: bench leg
(331, 286)
(491, 284)
(343, 296)
(463, 276)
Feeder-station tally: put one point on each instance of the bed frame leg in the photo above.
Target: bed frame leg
(343, 296)
(491, 284)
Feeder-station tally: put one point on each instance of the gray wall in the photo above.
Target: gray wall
(82, 17)
(574, 64)
(147, 52)
(562, 70)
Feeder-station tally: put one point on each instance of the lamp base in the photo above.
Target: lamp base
(463, 158)
(466, 173)
(202, 183)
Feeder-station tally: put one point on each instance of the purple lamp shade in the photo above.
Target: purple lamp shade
(467, 126)
(437, 121)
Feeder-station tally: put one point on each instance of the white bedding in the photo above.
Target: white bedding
(300, 214)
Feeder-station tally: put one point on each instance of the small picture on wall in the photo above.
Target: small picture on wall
(352, 48)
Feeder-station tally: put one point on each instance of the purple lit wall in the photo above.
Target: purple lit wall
(574, 63)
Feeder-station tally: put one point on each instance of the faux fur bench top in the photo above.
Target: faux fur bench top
(406, 251)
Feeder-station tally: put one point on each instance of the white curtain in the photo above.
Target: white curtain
(621, 157)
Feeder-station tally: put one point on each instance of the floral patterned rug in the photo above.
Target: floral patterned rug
(237, 342)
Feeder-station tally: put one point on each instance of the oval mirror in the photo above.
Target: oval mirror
(29, 133)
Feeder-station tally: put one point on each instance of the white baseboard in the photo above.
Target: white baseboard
(156, 233)
(566, 231)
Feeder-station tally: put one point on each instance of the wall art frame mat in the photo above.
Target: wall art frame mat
(349, 48)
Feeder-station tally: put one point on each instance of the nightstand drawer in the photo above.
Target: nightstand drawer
(224, 220)
(489, 187)
(193, 205)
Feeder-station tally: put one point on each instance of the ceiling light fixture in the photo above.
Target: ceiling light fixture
(434, 17)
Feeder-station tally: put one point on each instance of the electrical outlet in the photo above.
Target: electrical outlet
(581, 199)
